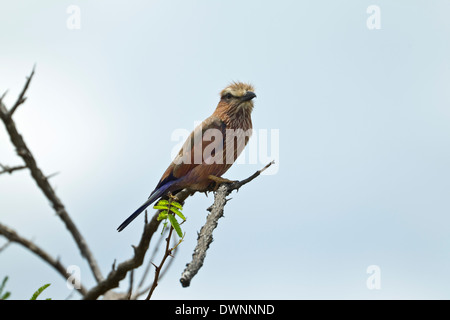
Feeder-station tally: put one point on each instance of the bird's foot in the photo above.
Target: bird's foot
(218, 181)
(171, 196)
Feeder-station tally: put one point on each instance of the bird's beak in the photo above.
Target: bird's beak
(248, 96)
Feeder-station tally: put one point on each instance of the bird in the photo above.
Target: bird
(202, 161)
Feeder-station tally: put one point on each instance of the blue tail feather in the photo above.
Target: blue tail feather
(153, 197)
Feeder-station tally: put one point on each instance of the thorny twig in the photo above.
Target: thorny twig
(8, 169)
(167, 253)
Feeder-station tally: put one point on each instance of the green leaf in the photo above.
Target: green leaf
(162, 202)
(164, 227)
(39, 291)
(177, 205)
(5, 296)
(175, 225)
(159, 207)
(2, 286)
(162, 215)
(178, 213)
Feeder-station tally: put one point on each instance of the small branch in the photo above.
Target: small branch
(236, 185)
(167, 253)
(158, 268)
(3, 96)
(130, 291)
(139, 291)
(21, 99)
(205, 236)
(7, 169)
(52, 175)
(6, 245)
(12, 236)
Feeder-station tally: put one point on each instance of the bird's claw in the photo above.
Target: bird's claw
(171, 196)
(218, 181)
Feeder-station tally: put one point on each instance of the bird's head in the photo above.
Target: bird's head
(238, 96)
(236, 105)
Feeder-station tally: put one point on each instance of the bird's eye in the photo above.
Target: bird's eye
(228, 96)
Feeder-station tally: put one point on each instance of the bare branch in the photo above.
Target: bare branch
(6, 245)
(236, 185)
(42, 181)
(7, 169)
(51, 175)
(149, 264)
(130, 290)
(205, 236)
(21, 99)
(139, 291)
(12, 236)
(3, 96)
(158, 268)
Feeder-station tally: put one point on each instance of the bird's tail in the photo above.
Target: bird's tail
(153, 197)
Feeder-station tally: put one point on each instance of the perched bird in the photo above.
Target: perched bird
(202, 160)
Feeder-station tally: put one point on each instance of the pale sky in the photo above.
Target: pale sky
(362, 120)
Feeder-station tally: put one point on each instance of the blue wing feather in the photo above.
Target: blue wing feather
(156, 194)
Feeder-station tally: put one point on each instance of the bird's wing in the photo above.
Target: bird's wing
(192, 153)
